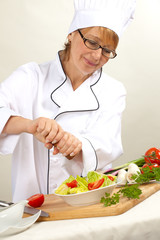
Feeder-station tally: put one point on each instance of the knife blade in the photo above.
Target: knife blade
(31, 210)
(27, 209)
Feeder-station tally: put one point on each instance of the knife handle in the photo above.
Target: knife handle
(5, 204)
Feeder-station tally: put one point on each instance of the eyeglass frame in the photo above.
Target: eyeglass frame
(98, 46)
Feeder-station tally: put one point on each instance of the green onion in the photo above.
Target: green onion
(139, 162)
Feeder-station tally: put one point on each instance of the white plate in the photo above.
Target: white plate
(87, 198)
(123, 184)
(11, 220)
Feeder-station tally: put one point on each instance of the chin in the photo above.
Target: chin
(88, 71)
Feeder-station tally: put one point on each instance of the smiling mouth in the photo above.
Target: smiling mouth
(90, 63)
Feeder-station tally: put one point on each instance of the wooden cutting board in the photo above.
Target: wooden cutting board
(59, 210)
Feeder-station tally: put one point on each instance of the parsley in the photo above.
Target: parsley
(147, 175)
(108, 201)
(132, 191)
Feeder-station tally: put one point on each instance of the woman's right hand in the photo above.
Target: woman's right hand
(45, 130)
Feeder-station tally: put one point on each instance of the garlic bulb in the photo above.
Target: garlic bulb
(132, 170)
(122, 176)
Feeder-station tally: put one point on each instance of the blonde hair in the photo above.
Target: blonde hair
(105, 33)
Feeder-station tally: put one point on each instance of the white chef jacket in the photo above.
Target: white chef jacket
(92, 113)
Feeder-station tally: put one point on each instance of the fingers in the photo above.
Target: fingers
(54, 138)
(55, 151)
(48, 145)
(69, 145)
(76, 150)
(44, 129)
(48, 128)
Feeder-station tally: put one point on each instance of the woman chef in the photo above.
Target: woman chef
(66, 108)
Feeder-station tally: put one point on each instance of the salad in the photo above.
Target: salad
(93, 180)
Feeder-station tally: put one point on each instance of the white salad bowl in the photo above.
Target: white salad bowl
(87, 198)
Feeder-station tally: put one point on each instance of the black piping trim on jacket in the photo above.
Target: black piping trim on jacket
(48, 171)
(61, 83)
(90, 88)
(79, 110)
(94, 152)
(70, 112)
(56, 90)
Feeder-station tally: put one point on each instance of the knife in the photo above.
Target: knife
(29, 210)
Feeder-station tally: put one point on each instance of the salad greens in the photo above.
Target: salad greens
(82, 183)
(95, 176)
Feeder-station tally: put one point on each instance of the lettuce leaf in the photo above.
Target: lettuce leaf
(107, 181)
(94, 176)
(82, 181)
(63, 189)
(82, 186)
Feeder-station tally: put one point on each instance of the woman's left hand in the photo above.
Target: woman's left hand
(68, 145)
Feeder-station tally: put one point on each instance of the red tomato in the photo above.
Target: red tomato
(155, 165)
(96, 184)
(36, 200)
(152, 156)
(72, 184)
(111, 178)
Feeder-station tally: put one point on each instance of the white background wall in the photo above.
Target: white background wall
(34, 30)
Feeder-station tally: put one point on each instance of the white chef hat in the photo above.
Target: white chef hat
(112, 14)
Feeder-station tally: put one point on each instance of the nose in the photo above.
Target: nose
(97, 54)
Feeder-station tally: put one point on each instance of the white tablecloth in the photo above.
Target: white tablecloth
(140, 222)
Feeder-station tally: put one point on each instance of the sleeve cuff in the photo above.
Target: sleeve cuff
(5, 114)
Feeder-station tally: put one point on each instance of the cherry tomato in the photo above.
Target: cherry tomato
(72, 184)
(111, 178)
(96, 184)
(155, 165)
(152, 156)
(36, 200)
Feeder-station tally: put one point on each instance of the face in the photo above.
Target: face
(83, 59)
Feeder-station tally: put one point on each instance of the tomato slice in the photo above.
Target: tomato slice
(96, 184)
(36, 200)
(152, 156)
(111, 178)
(72, 184)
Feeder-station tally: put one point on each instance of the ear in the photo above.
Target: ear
(70, 36)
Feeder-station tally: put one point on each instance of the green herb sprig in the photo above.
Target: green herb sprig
(147, 175)
(108, 201)
(132, 191)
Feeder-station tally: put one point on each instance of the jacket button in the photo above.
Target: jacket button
(55, 160)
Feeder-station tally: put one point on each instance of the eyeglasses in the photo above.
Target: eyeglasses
(94, 46)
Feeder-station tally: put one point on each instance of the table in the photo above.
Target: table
(142, 222)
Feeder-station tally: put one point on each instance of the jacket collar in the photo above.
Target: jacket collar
(82, 99)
